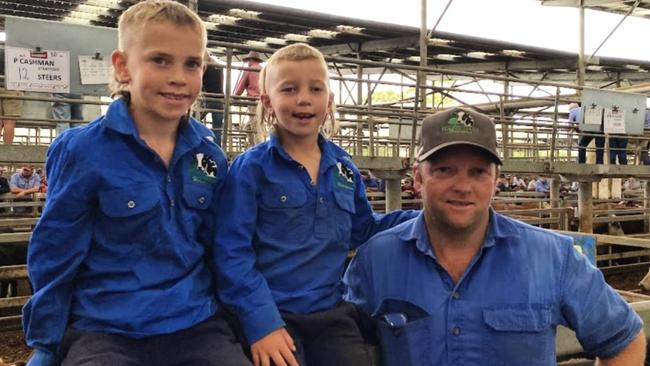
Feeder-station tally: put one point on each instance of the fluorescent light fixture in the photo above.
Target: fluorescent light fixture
(439, 42)
(479, 55)
(513, 53)
(322, 33)
(223, 19)
(275, 40)
(296, 37)
(257, 43)
(349, 29)
(244, 14)
(445, 57)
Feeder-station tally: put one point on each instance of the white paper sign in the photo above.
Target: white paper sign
(593, 116)
(614, 121)
(94, 71)
(39, 71)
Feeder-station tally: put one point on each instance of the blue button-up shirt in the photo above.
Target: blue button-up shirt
(283, 246)
(120, 245)
(504, 309)
(18, 181)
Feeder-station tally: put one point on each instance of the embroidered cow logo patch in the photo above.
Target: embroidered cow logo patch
(204, 169)
(344, 176)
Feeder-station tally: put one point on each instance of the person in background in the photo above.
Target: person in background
(575, 116)
(249, 82)
(10, 110)
(645, 158)
(213, 83)
(464, 285)
(119, 260)
(66, 111)
(542, 185)
(24, 182)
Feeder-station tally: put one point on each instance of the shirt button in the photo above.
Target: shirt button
(455, 295)
(169, 179)
(313, 183)
(202, 200)
(171, 203)
(455, 331)
(283, 199)
(130, 204)
(321, 200)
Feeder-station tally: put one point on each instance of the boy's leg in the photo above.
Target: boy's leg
(334, 338)
(81, 348)
(210, 343)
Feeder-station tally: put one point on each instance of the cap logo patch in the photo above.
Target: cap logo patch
(459, 122)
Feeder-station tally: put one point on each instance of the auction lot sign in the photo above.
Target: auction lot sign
(37, 70)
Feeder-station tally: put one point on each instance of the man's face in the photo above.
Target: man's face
(27, 173)
(457, 185)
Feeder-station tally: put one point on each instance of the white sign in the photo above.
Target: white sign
(593, 116)
(614, 121)
(39, 71)
(94, 70)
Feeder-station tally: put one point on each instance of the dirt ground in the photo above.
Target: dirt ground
(13, 349)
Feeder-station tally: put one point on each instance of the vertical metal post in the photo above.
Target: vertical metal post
(371, 122)
(557, 101)
(646, 205)
(393, 194)
(585, 207)
(581, 51)
(227, 116)
(359, 103)
(555, 199)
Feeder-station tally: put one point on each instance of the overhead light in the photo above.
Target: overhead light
(633, 67)
(256, 43)
(479, 55)
(414, 58)
(439, 42)
(513, 53)
(73, 20)
(349, 29)
(244, 14)
(223, 19)
(274, 40)
(445, 57)
(322, 33)
(594, 67)
(296, 37)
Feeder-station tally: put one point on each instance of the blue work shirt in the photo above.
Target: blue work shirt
(285, 243)
(575, 114)
(120, 245)
(18, 181)
(505, 308)
(542, 186)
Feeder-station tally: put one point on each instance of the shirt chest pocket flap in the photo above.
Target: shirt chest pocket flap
(131, 201)
(197, 197)
(345, 200)
(282, 196)
(520, 319)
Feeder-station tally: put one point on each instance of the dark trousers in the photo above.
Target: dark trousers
(617, 147)
(210, 343)
(329, 338)
(582, 148)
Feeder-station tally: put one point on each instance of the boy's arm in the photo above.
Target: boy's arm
(58, 245)
(366, 223)
(239, 284)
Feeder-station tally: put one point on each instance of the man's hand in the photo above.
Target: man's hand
(276, 346)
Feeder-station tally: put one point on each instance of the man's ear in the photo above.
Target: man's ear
(417, 177)
(118, 58)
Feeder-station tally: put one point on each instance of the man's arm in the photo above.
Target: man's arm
(632, 355)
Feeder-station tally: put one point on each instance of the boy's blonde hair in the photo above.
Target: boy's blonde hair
(142, 13)
(265, 121)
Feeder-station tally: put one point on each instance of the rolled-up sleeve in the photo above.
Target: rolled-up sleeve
(604, 323)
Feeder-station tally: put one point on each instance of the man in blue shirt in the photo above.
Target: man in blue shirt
(542, 185)
(463, 285)
(25, 182)
(575, 116)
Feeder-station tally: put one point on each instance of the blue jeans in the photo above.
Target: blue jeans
(210, 343)
(617, 147)
(582, 148)
(66, 111)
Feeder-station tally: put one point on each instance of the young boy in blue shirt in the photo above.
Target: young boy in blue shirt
(298, 207)
(118, 259)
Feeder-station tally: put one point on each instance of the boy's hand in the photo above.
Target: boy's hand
(276, 346)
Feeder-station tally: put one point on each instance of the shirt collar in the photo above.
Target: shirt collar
(499, 227)
(327, 153)
(119, 118)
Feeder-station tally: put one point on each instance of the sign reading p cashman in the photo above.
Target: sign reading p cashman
(37, 70)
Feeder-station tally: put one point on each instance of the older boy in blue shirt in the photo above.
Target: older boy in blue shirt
(463, 285)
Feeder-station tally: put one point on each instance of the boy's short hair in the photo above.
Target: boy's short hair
(294, 52)
(146, 12)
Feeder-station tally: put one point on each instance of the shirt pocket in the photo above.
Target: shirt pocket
(198, 199)
(129, 217)
(344, 211)
(283, 214)
(520, 335)
(405, 333)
